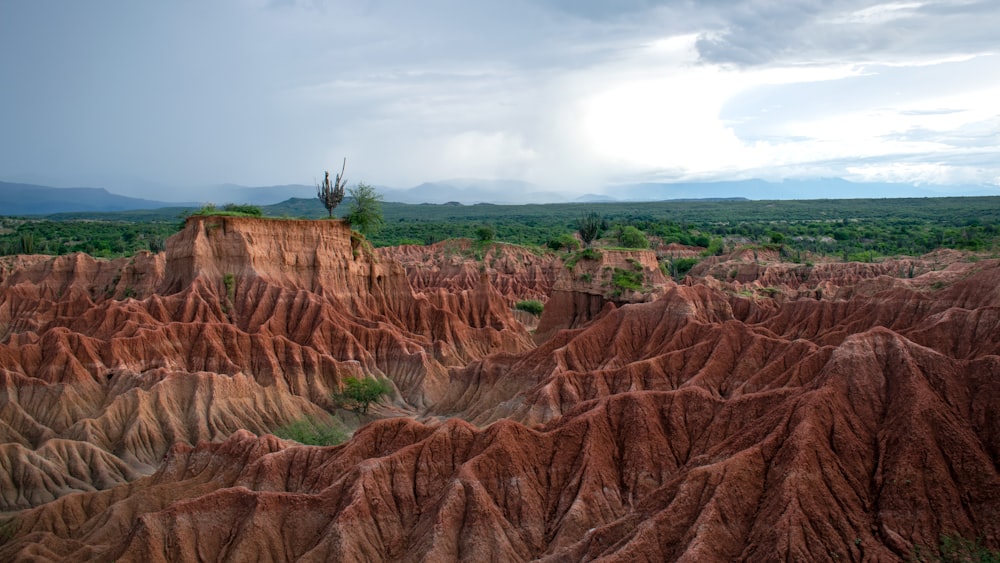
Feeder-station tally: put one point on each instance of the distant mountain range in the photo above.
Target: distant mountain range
(30, 199)
(824, 188)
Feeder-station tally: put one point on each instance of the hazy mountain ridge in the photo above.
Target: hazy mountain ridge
(31, 199)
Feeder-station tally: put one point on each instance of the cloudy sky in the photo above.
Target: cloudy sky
(568, 94)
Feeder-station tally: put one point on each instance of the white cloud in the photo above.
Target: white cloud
(879, 13)
(495, 155)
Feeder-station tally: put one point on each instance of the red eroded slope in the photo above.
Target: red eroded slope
(882, 448)
(715, 422)
(457, 265)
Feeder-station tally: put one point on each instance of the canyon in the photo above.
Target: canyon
(758, 410)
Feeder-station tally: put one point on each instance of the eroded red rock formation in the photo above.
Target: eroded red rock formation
(242, 323)
(844, 413)
(586, 288)
(456, 265)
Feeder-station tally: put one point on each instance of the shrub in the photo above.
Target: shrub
(631, 237)
(358, 393)
(532, 306)
(230, 210)
(313, 431)
(679, 267)
(565, 241)
(485, 233)
(243, 209)
(714, 248)
(630, 280)
(366, 210)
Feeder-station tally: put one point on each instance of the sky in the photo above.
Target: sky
(572, 95)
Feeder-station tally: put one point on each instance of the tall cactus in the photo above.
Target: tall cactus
(332, 194)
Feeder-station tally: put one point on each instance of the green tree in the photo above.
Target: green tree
(360, 393)
(486, 233)
(366, 210)
(533, 306)
(631, 237)
(564, 241)
(332, 194)
(589, 226)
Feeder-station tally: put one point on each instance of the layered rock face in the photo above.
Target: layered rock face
(586, 288)
(714, 421)
(457, 265)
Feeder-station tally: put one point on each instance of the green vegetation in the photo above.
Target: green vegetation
(956, 549)
(867, 229)
(627, 280)
(585, 254)
(105, 239)
(230, 210)
(366, 209)
(533, 306)
(631, 237)
(485, 234)
(677, 268)
(564, 241)
(313, 431)
(230, 282)
(27, 243)
(358, 393)
(589, 226)
(822, 227)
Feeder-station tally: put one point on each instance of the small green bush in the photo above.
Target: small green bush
(631, 237)
(366, 209)
(313, 431)
(623, 280)
(485, 233)
(714, 248)
(564, 242)
(532, 306)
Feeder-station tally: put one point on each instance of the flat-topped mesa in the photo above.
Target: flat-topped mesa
(319, 256)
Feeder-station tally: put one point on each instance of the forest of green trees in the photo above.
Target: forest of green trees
(857, 229)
